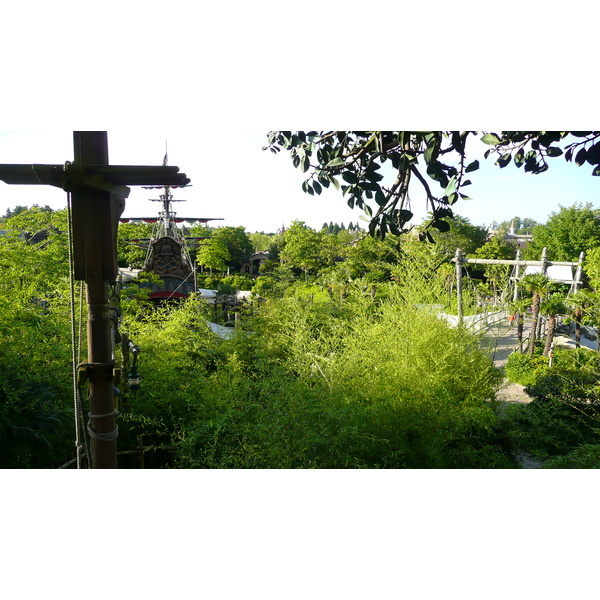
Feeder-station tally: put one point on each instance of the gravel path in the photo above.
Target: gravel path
(503, 341)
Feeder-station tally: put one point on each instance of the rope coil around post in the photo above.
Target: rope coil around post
(105, 437)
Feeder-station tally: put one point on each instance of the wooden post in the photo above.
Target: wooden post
(544, 261)
(517, 273)
(459, 298)
(578, 272)
(95, 261)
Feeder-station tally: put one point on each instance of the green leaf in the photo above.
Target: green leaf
(442, 226)
(305, 163)
(452, 198)
(451, 187)
(554, 151)
(350, 177)
(317, 187)
(394, 229)
(580, 157)
(380, 198)
(405, 216)
(593, 154)
(519, 158)
(324, 181)
(491, 139)
(472, 167)
(336, 183)
(431, 152)
(336, 162)
(596, 171)
(504, 160)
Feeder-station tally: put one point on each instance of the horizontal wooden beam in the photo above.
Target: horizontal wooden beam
(72, 174)
(521, 263)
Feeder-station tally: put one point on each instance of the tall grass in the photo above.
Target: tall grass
(328, 383)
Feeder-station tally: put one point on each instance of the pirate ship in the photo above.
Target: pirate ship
(167, 254)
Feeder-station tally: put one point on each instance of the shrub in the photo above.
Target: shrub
(333, 384)
(525, 369)
(586, 456)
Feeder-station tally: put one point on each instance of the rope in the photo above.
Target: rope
(76, 395)
(106, 437)
(175, 290)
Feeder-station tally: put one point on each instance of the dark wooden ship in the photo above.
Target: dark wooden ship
(167, 250)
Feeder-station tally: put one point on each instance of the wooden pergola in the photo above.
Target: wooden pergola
(543, 265)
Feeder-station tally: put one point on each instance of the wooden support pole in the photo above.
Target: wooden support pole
(578, 273)
(544, 261)
(94, 262)
(517, 273)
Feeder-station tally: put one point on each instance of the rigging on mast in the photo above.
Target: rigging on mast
(167, 253)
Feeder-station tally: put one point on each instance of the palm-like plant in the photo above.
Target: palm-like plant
(579, 303)
(552, 307)
(538, 285)
(519, 309)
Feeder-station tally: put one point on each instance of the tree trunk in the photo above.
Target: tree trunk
(520, 323)
(550, 333)
(578, 319)
(535, 313)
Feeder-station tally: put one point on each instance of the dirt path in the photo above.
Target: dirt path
(503, 341)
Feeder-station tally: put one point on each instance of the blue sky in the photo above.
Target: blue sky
(262, 191)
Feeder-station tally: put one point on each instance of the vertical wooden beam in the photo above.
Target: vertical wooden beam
(93, 228)
(578, 273)
(517, 273)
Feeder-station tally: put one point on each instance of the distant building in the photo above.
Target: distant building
(520, 240)
(251, 264)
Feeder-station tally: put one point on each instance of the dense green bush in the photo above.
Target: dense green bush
(328, 384)
(573, 377)
(524, 368)
(586, 456)
(551, 428)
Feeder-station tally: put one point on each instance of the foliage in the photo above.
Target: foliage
(213, 254)
(35, 356)
(372, 259)
(307, 249)
(328, 383)
(573, 377)
(552, 307)
(237, 244)
(525, 369)
(538, 285)
(586, 456)
(381, 167)
(551, 429)
(261, 241)
(129, 252)
(520, 226)
(591, 267)
(496, 249)
(566, 234)
(461, 234)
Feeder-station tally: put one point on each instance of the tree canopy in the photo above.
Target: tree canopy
(567, 233)
(436, 160)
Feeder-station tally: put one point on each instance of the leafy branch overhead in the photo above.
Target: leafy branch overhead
(435, 161)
